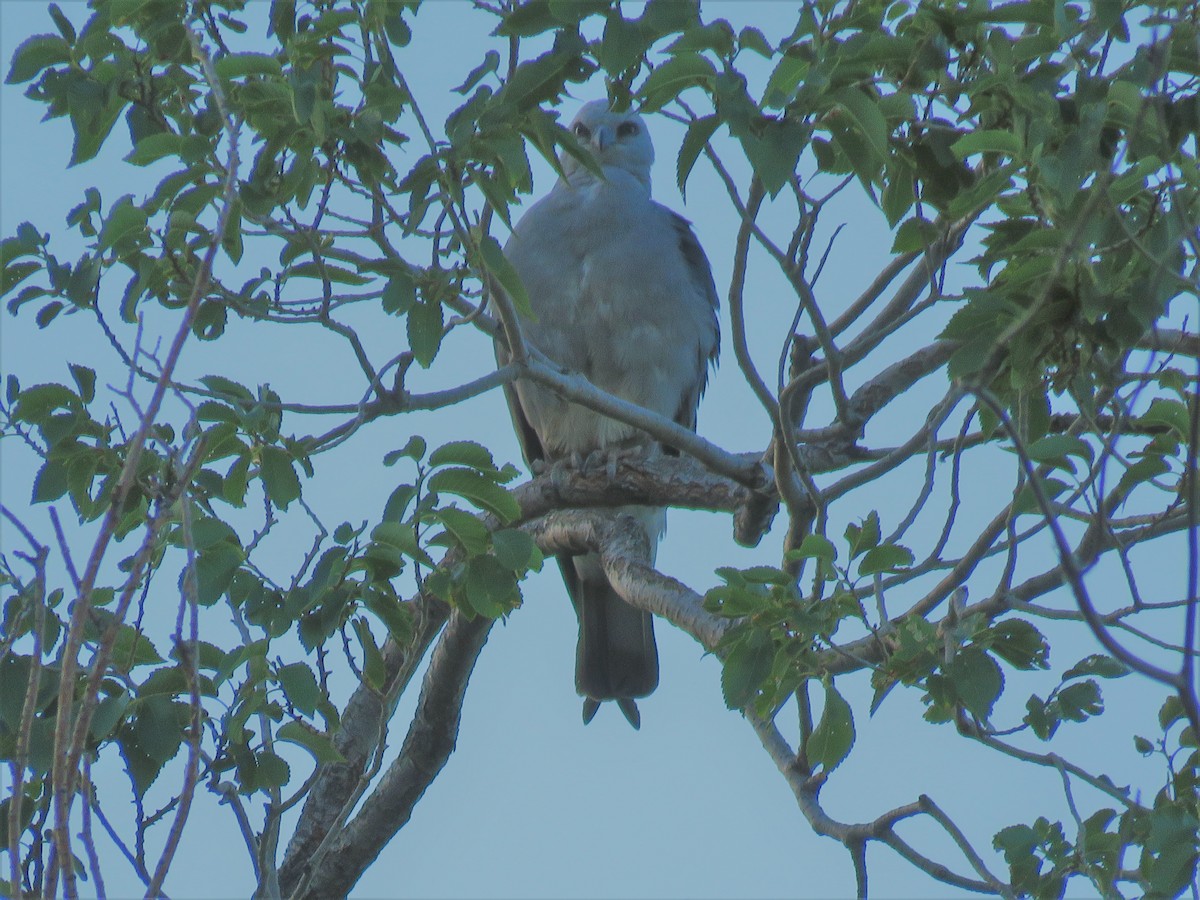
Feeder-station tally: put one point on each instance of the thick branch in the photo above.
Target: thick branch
(430, 741)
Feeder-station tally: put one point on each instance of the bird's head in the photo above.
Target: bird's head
(617, 140)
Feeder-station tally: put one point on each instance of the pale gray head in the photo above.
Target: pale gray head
(616, 139)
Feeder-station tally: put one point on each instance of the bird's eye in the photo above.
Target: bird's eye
(627, 129)
(581, 131)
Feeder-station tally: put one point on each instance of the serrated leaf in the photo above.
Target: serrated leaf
(413, 449)
(745, 668)
(279, 476)
(671, 78)
(479, 490)
(699, 132)
(752, 39)
(50, 483)
(1079, 701)
(239, 65)
(814, 546)
(470, 532)
(85, 380)
(315, 742)
(35, 54)
(403, 538)
(215, 568)
(987, 141)
(301, 687)
(271, 769)
(864, 537)
(885, 558)
(867, 117)
(219, 384)
(393, 614)
(977, 680)
(498, 265)
(516, 550)
(1027, 500)
(399, 294)
(1018, 643)
(374, 671)
(463, 453)
(425, 325)
(831, 741)
(1097, 664)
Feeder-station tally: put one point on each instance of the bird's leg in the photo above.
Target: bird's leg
(558, 469)
(615, 454)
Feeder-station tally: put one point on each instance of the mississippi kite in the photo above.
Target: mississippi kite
(623, 294)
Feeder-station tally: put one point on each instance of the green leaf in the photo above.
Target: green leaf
(781, 87)
(481, 491)
(498, 265)
(699, 132)
(218, 384)
(753, 39)
(1097, 664)
(987, 141)
(215, 568)
(132, 649)
(814, 546)
(1081, 700)
(109, 713)
(1169, 414)
(914, 235)
(315, 742)
(977, 680)
(279, 476)
(1018, 643)
(867, 118)
(528, 19)
(50, 483)
(125, 224)
(470, 532)
(425, 331)
(399, 294)
(373, 668)
(775, 151)
(414, 449)
(488, 588)
(326, 271)
(85, 380)
(272, 770)
(1027, 501)
(491, 61)
(1055, 450)
(516, 550)
(746, 667)
(674, 76)
(239, 65)
(35, 54)
(157, 727)
(403, 538)
(463, 453)
(885, 558)
(301, 687)
(862, 538)
(623, 43)
(831, 741)
(396, 616)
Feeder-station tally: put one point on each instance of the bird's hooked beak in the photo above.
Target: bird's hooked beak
(601, 138)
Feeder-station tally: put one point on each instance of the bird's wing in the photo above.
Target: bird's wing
(705, 290)
(531, 444)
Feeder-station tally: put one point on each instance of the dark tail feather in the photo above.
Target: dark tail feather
(617, 658)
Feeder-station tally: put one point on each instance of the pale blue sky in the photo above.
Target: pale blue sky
(533, 803)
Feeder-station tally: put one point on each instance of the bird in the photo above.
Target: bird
(623, 294)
